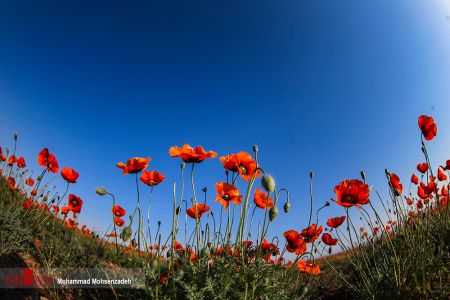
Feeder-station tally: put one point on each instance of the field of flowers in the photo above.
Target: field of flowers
(400, 252)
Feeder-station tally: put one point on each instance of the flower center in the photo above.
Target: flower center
(349, 199)
(243, 170)
(226, 197)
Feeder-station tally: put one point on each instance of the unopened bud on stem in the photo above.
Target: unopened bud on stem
(268, 183)
(101, 191)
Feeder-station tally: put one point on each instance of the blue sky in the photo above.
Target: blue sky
(333, 87)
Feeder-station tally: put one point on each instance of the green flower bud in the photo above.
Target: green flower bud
(183, 165)
(273, 213)
(287, 207)
(255, 148)
(205, 252)
(363, 175)
(311, 174)
(15, 136)
(126, 233)
(268, 183)
(101, 191)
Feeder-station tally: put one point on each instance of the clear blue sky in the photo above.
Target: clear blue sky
(330, 86)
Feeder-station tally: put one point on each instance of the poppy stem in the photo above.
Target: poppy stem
(61, 199)
(115, 228)
(197, 219)
(139, 213)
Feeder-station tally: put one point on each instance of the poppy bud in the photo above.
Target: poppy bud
(204, 190)
(183, 165)
(387, 172)
(268, 183)
(255, 148)
(205, 252)
(101, 191)
(178, 210)
(125, 235)
(273, 213)
(311, 174)
(363, 175)
(304, 291)
(39, 178)
(287, 207)
(15, 136)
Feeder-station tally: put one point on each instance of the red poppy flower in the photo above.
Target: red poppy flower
(396, 185)
(335, 222)
(262, 200)
(447, 164)
(419, 204)
(119, 222)
(444, 191)
(247, 244)
(2, 156)
(12, 183)
(27, 204)
(441, 175)
(48, 160)
(118, 211)
(178, 247)
(21, 162)
(409, 201)
(34, 192)
(305, 267)
(269, 247)
(328, 239)
(29, 181)
(352, 192)
(226, 193)
(191, 155)
(243, 163)
(71, 223)
(424, 191)
(197, 210)
(311, 233)
(75, 203)
(55, 209)
(65, 210)
(192, 256)
(152, 178)
(295, 243)
(428, 127)
(422, 168)
(69, 175)
(12, 160)
(375, 230)
(134, 165)
(112, 234)
(414, 179)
